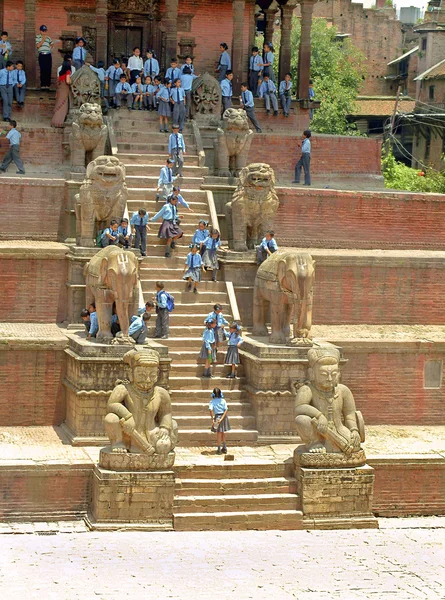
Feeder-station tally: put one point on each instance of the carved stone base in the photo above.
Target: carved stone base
(336, 498)
(134, 462)
(131, 500)
(328, 460)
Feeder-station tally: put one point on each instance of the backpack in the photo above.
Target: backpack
(170, 302)
(99, 238)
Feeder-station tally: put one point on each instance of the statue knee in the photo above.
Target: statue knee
(304, 426)
(111, 420)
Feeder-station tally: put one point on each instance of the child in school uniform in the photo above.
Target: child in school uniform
(151, 65)
(138, 94)
(176, 149)
(192, 270)
(7, 83)
(285, 91)
(135, 65)
(157, 85)
(176, 193)
(112, 78)
(79, 52)
(85, 316)
(208, 346)
(177, 98)
(225, 63)
(234, 342)
(305, 160)
(209, 258)
(123, 92)
(100, 72)
(110, 236)
(268, 91)
(220, 421)
(188, 65)
(149, 94)
(13, 153)
(94, 323)
(124, 233)
(248, 104)
(200, 235)
(169, 229)
(163, 97)
(20, 84)
(227, 91)
(173, 72)
(163, 318)
(187, 78)
(267, 247)
(255, 66)
(220, 334)
(166, 181)
(5, 49)
(139, 223)
(268, 60)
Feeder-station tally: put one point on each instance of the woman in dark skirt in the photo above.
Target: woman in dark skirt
(209, 258)
(234, 342)
(220, 421)
(208, 346)
(169, 229)
(164, 110)
(192, 270)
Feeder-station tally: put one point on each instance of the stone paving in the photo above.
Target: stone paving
(404, 560)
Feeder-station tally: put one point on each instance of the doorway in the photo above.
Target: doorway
(123, 39)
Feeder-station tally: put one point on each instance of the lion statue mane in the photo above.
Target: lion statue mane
(233, 143)
(88, 136)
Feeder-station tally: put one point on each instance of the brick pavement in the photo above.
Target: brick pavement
(403, 560)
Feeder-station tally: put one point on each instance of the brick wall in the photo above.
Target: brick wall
(31, 208)
(38, 146)
(330, 154)
(346, 219)
(409, 486)
(34, 379)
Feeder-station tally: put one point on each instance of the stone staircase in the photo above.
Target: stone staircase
(144, 150)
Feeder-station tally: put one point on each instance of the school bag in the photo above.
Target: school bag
(170, 302)
(99, 238)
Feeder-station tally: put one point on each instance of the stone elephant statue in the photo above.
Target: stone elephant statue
(285, 282)
(112, 276)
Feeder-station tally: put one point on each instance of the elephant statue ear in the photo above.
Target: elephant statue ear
(281, 270)
(103, 271)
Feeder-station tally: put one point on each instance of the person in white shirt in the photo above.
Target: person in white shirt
(135, 65)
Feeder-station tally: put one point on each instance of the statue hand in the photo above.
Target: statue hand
(163, 435)
(128, 425)
(322, 424)
(355, 440)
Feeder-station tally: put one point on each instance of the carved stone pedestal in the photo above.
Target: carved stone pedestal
(338, 497)
(131, 500)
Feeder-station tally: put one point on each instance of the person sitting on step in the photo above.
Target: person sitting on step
(123, 92)
(110, 235)
(124, 233)
(138, 328)
(267, 247)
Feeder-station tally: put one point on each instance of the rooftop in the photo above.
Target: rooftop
(382, 106)
(435, 72)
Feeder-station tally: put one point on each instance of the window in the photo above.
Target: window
(424, 43)
(431, 92)
(432, 374)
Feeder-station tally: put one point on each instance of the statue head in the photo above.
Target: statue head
(90, 116)
(144, 368)
(257, 180)
(235, 121)
(324, 369)
(106, 173)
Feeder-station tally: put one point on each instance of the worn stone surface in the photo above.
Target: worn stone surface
(102, 197)
(253, 206)
(233, 143)
(85, 88)
(207, 102)
(88, 136)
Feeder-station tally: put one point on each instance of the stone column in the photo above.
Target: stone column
(304, 55)
(171, 31)
(102, 31)
(270, 14)
(238, 67)
(286, 28)
(30, 42)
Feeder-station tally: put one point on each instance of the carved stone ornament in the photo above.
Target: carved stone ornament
(144, 6)
(285, 283)
(88, 136)
(139, 419)
(207, 98)
(85, 87)
(233, 143)
(326, 416)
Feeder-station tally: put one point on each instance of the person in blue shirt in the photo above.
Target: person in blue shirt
(138, 329)
(177, 98)
(200, 235)
(124, 234)
(176, 192)
(305, 160)
(208, 346)
(5, 49)
(100, 72)
(166, 181)
(255, 66)
(164, 110)
(151, 65)
(110, 236)
(268, 60)
(112, 78)
(149, 94)
(176, 149)
(220, 421)
(268, 91)
(94, 323)
(227, 91)
(285, 91)
(220, 334)
(192, 270)
(173, 72)
(79, 53)
(267, 247)
(169, 229)
(234, 342)
(224, 64)
(139, 226)
(85, 316)
(20, 84)
(162, 320)
(311, 95)
(123, 92)
(248, 104)
(138, 93)
(188, 65)
(187, 78)
(13, 153)
(210, 258)
(7, 83)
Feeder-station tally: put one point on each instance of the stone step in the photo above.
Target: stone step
(238, 469)
(176, 274)
(196, 370)
(239, 521)
(136, 136)
(189, 356)
(234, 503)
(191, 382)
(141, 120)
(160, 146)
(151, 181)
(201, 397)
(148, 169)
(177, 285)
(188, 319)
(205, 437)
(201, 309)
(186, 422)
(188, 225)
(189, 298)
(140, 193)
(183, 343)
(214, 487)
(129, 158)
(197, 409)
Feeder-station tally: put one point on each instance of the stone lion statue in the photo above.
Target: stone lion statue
(233, 143)
(102, 196)
(253, 207)
(88, 136)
